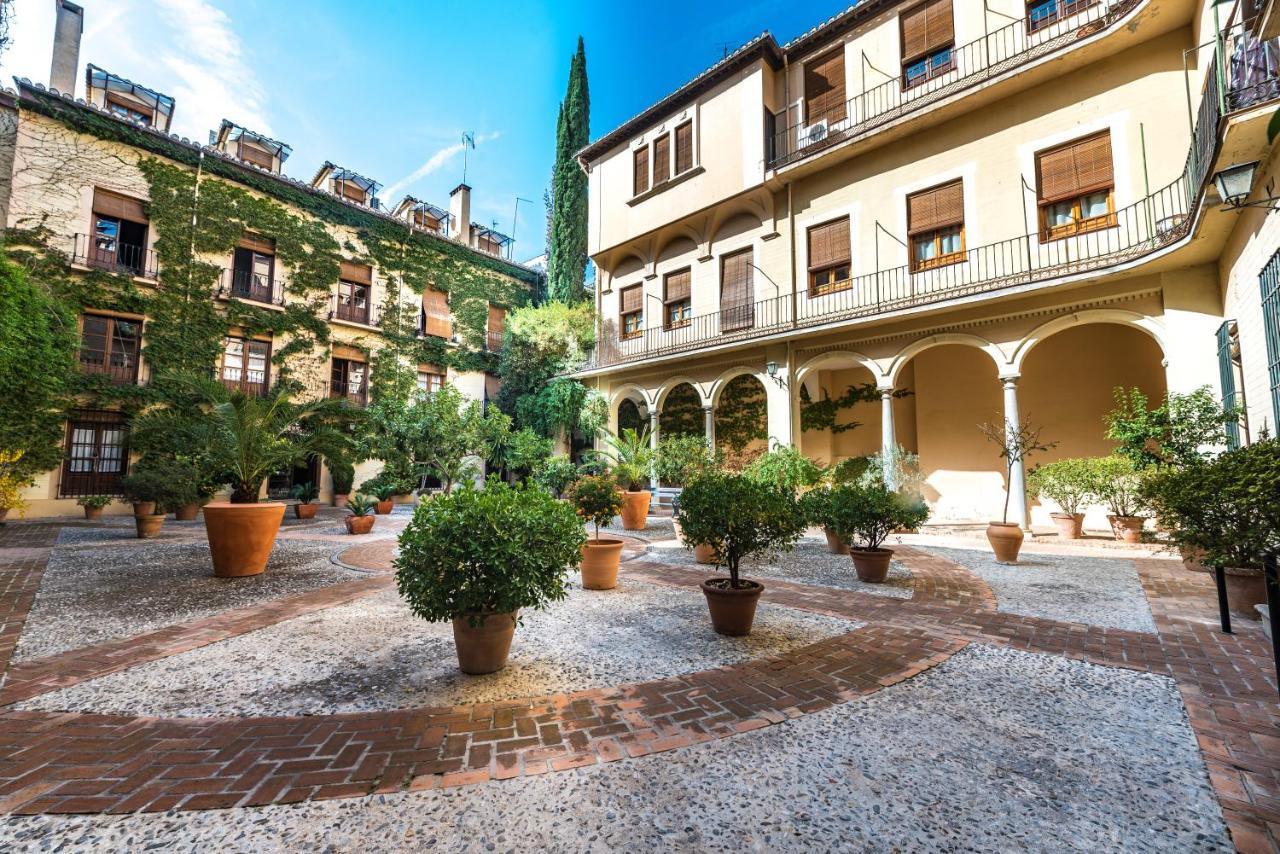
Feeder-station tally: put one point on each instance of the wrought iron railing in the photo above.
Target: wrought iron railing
(248, 285)
(349, 312)
(113, 256)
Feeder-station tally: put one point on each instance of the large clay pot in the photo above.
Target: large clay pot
(1246, 590)
(187, 512)
(305, 511)
(1127, 529)
(600, 559)
(1070, 526)
(144, 508)
(241, 536)
(148, 526)
(90, 513)
(1006, 541)
(359, 524)
(872, 564)
(341, 500)
(733, 610)
(835, 545)
(704, 554)
(385, 507)
(483, 648)
(635, 510)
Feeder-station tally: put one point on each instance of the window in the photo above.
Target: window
(252, 154)
(1042, 13)
(684, 148)
(829, 258)
(495, 327)
(354, 286)
(661, 159)
(935, 226)
(426, 222)
(430, 381)
(1228, 362)
(110, 346)
(1076, 187)
(350, 379)
(246, 365)
(928, 38)
(824, 98)
(119, 237)
(631, 311)
(437, 321)
(677, 301)
(640, 170)
(132, 112)
(737, 289)
(349, 190)
(97, 454)
(253, 269)
(1270, 281)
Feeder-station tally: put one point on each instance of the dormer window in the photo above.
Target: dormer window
(346, 184)
(127, 100)
(349, 191)
(132, 112)
(252, 148)
(252, 154)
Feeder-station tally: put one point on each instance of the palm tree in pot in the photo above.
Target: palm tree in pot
(631, 459)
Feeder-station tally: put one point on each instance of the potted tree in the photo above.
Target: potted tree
(632, 462)
(151, 489)
(1016, 442)
(815, 505)
(360, 510)
(93, 505)
(737, 517)
(305, 494)
(1071, 485)
(680, 459)
(1117, 482)
(867, 512)
(476, 557)
(597, 500)
(344, 476)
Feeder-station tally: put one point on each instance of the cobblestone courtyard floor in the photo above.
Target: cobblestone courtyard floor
(1083, 700)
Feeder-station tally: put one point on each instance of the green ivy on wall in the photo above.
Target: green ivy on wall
(824, 414)
(681, 413)
(741, 414)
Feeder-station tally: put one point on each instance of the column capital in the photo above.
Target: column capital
(885, 390)
(1010, 380)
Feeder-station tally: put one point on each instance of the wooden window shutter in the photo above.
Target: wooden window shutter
(631, 299)
(829, 244)
(641, 170)
(256, 156)
(940, 207)
(926, 28)
(497, 321)
(824, 87)
(112, 204)
(736, 290)
(360, 274)
(661, 159)
(435, 310)
(1071, 170)
(684, 147)
(678, 286)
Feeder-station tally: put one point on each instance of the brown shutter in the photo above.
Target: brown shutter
(631, 299)
(736, 291)
(1071, 170)
(256, 156)
(435, 308)
(940, 207)
(829, 244)
(926, 28)
(345, 351)
(360, 274)
(641, 170)
(497, 320)
(677, 286)
(108, 203)
(824, 87)
(684, 147)
(257, 243)
(661, 159)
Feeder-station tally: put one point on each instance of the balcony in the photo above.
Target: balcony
(346, 311)
(359, 397)
(251, 286)
(493, 341)
(252, 382)
(113, 256)
(1000, 51)
(119, 367)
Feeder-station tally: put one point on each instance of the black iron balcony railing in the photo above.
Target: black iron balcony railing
(119, 366)
(251, 382)
(798, 135)
(248, 285)
(352, 312)
(113, 256)
(1251, 77)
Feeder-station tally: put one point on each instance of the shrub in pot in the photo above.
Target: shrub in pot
(476, 557)
(737, 516)
(385, 493)
(94, 505)
(1071, 485)
(343, 474)
(815, 507)
(360, 510)
(597, 500)
(305, 494)
(631, 459)
(786, 467)
(864, 515)
(1116, 483)
(1016, 442)
(555, 474)
(154, 485)
(680, 459)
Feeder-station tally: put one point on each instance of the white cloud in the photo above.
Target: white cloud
(431, 164)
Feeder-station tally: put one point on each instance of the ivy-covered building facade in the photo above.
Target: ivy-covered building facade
(181, 259)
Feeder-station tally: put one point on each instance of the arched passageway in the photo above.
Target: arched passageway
(742, 420)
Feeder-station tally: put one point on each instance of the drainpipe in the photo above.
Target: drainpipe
(791, 236)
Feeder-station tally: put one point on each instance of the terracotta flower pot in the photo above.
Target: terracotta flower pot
(187, 512)
(90, 513)
(1006, 541)
(385, 507)
(1192, 559)
(241, 536)
(733, 610)
(872, 564)
(1127, 529)
(484, 648)
(144, 508)
(1070, 526)
(305, 511)
(704, 554)
(148, 526)
(600, 559)
(359, 524)
(1246, 589)
(635, 510)
(835, 545)
(341, 500)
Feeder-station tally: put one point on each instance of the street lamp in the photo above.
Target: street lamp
(1235, 183)
(771, 368)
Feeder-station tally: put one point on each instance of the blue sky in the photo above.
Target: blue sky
(387, 87)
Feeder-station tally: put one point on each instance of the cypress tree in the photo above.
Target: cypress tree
(567, 247)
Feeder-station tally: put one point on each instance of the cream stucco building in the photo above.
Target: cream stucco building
(1003, 209)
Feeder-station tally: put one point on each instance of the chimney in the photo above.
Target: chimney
(460, 212)
(66, 47)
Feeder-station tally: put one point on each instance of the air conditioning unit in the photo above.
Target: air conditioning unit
(813, 133)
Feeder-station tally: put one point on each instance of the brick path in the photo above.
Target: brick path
(70, 762)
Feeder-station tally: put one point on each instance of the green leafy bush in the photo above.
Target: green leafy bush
(682, 458)
(815, 506)
(785, 466)
(868, 514)
(1072, 484)
(554, 474)
(361, 505)
(169, 483)
(1116, 483)
(596, 500)
(631, 458)
(473, 552)
(1183, 430)
(383, 490)
(305, 492)
(849, 470)
(96, 501)
(738, 516)
(343, 474)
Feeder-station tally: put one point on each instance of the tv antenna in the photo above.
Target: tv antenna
(468, 141)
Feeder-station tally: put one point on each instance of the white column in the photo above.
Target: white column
(1018, 512)
(778, 400)
(709, 425)
(888, 436)
(653, 445)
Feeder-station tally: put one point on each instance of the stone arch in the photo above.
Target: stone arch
(744, 418)
(670, 385)
(719, 383)
(680, 244)
(636, 395)
(824, 360)
(629, 264)
(916, 347)
(681, 410)
(737, 224)
(1146, 324)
